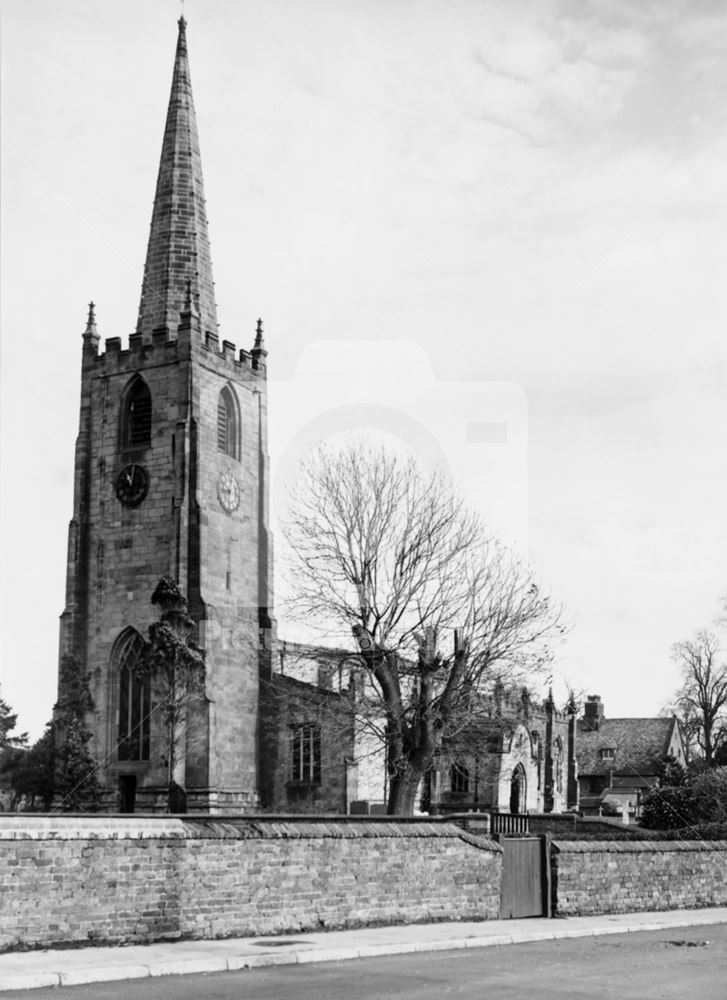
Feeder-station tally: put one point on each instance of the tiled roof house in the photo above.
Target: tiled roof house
(619, 759)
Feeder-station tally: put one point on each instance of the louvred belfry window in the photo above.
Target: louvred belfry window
(227, 424)
(136, 431)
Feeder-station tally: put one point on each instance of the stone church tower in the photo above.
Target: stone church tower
(171, 477)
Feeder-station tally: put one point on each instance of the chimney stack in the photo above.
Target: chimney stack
(592, 712)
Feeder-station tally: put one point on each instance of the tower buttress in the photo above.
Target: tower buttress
(572, 788)
(549, 793)
(74, 617)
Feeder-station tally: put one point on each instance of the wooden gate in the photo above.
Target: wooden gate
(525, 877)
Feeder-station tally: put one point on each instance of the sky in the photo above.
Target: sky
(495, 232)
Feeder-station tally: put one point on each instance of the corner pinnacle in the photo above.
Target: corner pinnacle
(259, 347)
(91, 321)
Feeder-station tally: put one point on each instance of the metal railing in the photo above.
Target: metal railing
(509, 823)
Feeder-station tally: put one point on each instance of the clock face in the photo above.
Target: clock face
(132, 485)
(228, 491)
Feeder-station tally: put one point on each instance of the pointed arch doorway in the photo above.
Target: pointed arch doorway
(518, 790)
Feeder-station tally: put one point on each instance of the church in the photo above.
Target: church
(172, 479)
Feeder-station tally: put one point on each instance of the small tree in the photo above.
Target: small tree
(398, 560)
(8, 721)
(76, 785)
(701, 701)
(32, 772)
(176, 668)
(670, 772)
(12, 748)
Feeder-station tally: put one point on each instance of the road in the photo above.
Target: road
(649, 965)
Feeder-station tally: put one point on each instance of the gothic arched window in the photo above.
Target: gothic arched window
(228, 423)
(459, 778)
(136, 415)
(558, 764)
(134, 697)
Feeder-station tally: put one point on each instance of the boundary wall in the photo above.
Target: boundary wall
(121, 880)
(592, 877)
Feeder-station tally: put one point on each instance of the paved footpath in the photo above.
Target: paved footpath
(69, 967)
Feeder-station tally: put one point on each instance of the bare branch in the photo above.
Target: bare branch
(701, 701)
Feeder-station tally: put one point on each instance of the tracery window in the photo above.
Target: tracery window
(459, 779)
(134, 704)
(558, 764)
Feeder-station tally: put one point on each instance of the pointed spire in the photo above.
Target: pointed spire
(178, 251)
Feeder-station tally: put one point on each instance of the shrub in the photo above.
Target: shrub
(709, 791)
(702, 800)
(668, 808)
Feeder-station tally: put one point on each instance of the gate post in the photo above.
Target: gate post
(546, 870)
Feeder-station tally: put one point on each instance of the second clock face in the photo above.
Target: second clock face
(228, 491)
(132, 484)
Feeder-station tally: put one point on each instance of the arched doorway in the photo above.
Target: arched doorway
(518, 790)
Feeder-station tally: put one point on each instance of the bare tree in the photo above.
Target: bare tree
(701, 701)
(398, 560)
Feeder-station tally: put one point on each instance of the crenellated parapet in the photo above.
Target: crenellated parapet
(226, 357)
(164, 349)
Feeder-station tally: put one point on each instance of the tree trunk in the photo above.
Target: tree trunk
(177, 769)
(708, 747)
(403, 790)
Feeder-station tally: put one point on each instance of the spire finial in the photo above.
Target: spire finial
(182, 36)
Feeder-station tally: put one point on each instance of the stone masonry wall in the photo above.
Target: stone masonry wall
(111, 879)
(625, 877)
